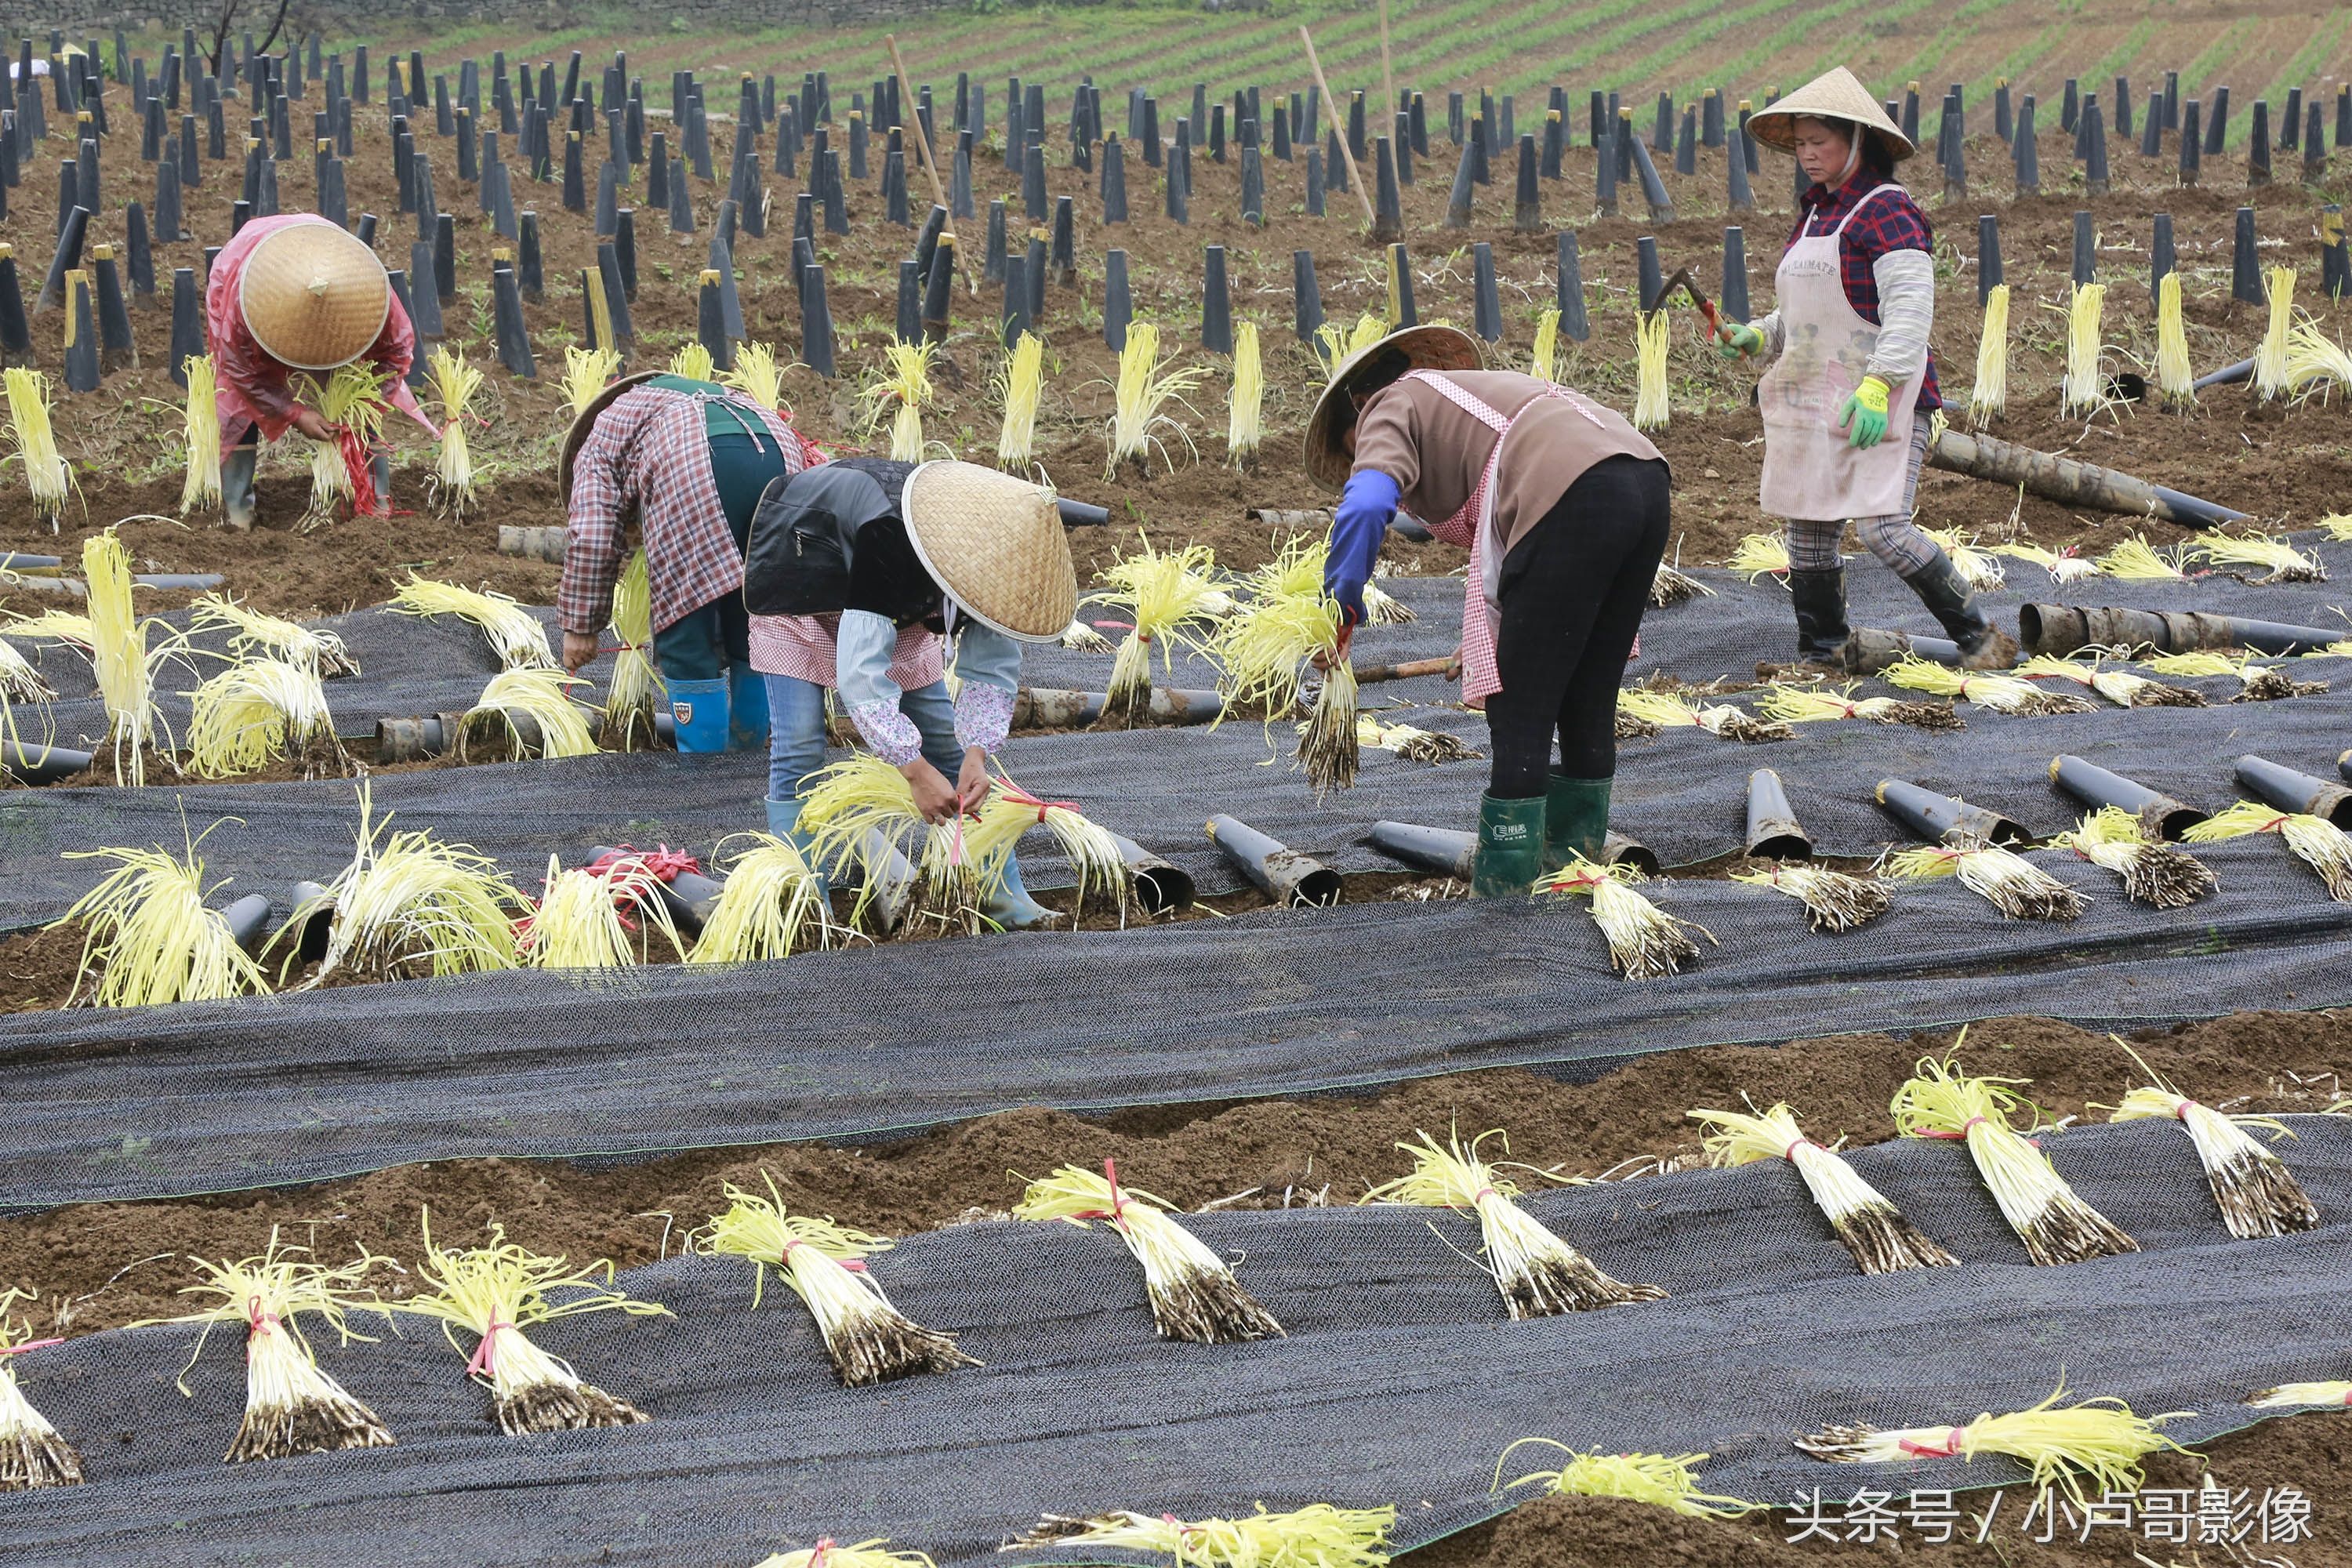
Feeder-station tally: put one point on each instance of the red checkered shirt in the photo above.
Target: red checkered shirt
(650, 455)
(1892, 223)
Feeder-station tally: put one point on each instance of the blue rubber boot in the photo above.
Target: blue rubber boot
(747, 710)
(700, 709)
(785, 821)
(1011, 907)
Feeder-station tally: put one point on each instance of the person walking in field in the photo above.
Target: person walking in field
(297, 293)
(687, 462)
(1847, 396)
(1563, 506)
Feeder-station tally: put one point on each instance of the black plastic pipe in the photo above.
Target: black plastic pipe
(42, 764)
(2288, 790)
(1160, 887)
(1773, 832)
(1870, 649)
(1450, 850)
(1278, 871)
(245, 918)
(310, 938)
(1936, 817)
(2160, 815)
(2061, 630)
(690, 896)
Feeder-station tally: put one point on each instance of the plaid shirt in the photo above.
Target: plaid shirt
(1894, 224)
(650, 455)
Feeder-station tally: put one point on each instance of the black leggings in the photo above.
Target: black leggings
(1573, 591)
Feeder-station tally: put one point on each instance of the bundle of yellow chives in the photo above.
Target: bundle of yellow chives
(830, 1553)
(2018, 889)
(1645, 941)
(1414, 746)
(2337, 526)
(2063, 565)
(1835, 901)
(19, 681)
(1317, 1536)
(200, 432)
(1664, 710)
(1669, 1481)
(636, 686)
(2120, 687)
(1980, 569)
(1144, 388)
(904, 386)
(1873, 1229)
(543, 696)
(868, 1340)
(119, 653)
(2056, 1226)
(290, 1406)
(1539, 1274)
(2154, 873)
(1337, 342)
(46, 473)
(1263, 647)
(31, 1455)
(351, 400)
(1650, 344)
(514, 633)
(496, 1293)
(2271, 377)
(1813, 704)
(1020, 386)
(454, 384)
(2081, 389)
(1162, 592)
(2283, 561)
(2316, 362)
(2289, 1395)
(2099, 1441)
(2176, 378)
(1246, 403)
(2257, 1195)
(1383, 608)
(756, 376)
(2137, 561)
(1194, 1294)
(411, 906)
(1090, 849)
(773, 906)
(693, 363)
(1989, 395)
(588, 918)
(1543, 360)
(271, 637)
(585, 371)
(2314, 841)
(2002, 693)
(856, 807)
(1670, 584)
(257, 710)
(1757, 553)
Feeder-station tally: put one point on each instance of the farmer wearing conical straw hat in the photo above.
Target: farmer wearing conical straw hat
(687, 462)
(856, 572)
(297, 294)
(1852, 381)
(1563, 507)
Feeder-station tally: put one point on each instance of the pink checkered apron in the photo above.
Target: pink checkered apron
(1470, 527)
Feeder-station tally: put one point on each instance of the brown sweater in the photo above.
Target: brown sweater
(1436, 451)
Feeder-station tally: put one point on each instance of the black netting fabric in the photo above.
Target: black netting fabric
(1401, 1381)
(299, 1087)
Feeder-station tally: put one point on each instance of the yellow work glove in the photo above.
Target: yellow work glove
(1864, 414)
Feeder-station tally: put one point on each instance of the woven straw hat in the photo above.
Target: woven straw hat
(585, 421)
(1836, 96)
(996, 544)
(313, 296)
(1429, 348)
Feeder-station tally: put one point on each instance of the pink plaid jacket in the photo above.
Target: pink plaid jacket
(650, 455)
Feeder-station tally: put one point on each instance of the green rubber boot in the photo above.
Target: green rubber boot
(1576, 819)
(1510, 848)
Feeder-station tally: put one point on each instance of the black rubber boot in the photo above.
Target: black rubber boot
(1940, 587)
(1510, 848)
(1821, 629)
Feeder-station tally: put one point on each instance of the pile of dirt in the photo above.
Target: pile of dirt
(1253, 1153)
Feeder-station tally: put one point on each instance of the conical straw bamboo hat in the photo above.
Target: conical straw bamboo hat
(996, 544)
(313, 296)
(1839, 95)
(1428, 348)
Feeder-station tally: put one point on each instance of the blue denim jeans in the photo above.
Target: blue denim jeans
(796, 731)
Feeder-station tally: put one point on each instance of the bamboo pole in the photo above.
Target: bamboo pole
(1388, 73)
(1355, 176)
(923, 145)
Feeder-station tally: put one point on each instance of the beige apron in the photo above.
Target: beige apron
(1809, 471)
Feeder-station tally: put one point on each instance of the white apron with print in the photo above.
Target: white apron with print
(1809, 471)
